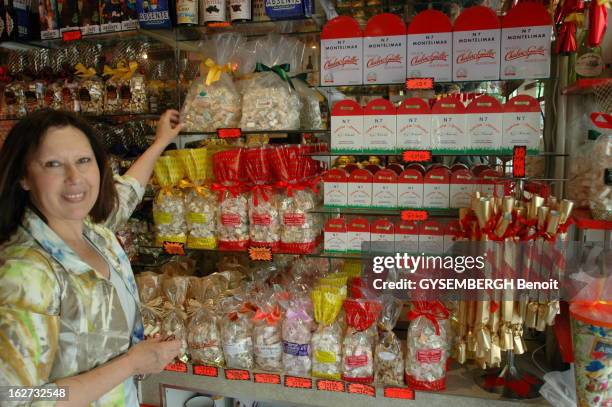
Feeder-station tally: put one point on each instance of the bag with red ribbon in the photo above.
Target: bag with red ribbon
(358, 344)
(428, 347)
(388, 354)
(264, 221)
(237, 332)
(267, 334)
(297, 333)
(232, 216)
(300, 229)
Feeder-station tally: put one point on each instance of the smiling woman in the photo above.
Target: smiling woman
(69, 310)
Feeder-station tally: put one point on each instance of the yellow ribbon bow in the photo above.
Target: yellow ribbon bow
(215, 71)
(201, 190)
(577, 18)
(122, 71)
(83, 71)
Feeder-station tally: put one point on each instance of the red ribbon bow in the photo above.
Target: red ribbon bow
(271, 317)
(235, 189)
(291, 186)
(432, 310)
(260, 190)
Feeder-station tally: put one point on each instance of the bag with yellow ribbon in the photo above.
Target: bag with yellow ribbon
(327, 339)
(213, 101)
(269, 100)
(125, 89)
(169, 204)
(90, 90)
(200, 201)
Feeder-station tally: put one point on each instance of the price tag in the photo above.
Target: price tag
(518, 161)
(260, 253)
(399, 393)
(209, 371)
(174, 248)
(363, 389)
(266, 378)
(178, 367)
(331, 385)
(414, 216)
(418, 156)
(229, 133)
(71, 35)
(419, 83)
(298, 382)
(237, 374)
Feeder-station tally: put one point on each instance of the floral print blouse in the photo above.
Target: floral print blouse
(58, 316)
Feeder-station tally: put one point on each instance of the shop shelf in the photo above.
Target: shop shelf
(247, 132)
(104, 39)
(139, 116)
(584, 220)
(585, 86)
(434, 154)
(437, 213)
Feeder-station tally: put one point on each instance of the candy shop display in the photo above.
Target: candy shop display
(427, 349)
(14, 99)
(169, 204)
(149, 288)
(267, 335)
(388, 354)
(297, 334)
(237, 334)
(203, 331)
(174, 324)
(213, 101)
(327, 339)
(358, 342)
(90, 90)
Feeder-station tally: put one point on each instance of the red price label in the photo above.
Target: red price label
(237, 374)
(417, 156)
(419, 83)
(71, 35)
(414, 216)
(331, 385)
(298, 382)
(266, 378)
(518, 161)
(229, 133)
(179, 367)
(174, 248)
(260, 253)
(363, 389)
(399, 393)
(209, 371)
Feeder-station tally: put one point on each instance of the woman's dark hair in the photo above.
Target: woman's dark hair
(23, 140)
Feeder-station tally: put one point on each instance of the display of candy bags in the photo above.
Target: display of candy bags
(264, 220)
(327, 339)
(174, 323)
(427, 346)
(203, 331)
(34, 95)
(310, 114)
(149, 288)
(269, 101)
(125, 89)
(212, 101)
(200, 202)
(267, 335)
(169, 204)
(388, 355)
(297, 334)
(236, 334)
(90, 90)
(358, 343)
(14, 99)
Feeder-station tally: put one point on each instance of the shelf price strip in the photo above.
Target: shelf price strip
(298, 382)
(178, 367)
(399, 393)
(229, 133)
(419, 83)
(363, 389)
(414, 215)
(266, 378)
(208, 371)
(237, 374)
(71, 35)
(331, 385)
(417, 156)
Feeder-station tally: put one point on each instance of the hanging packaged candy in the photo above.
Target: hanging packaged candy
(90, 90)
(327, 339)
(264, 200)
(384, 50)
(448, 126)
(522, 123)
(341, 52)
(484, 124)
(232, 216)
(149, 288)
(358, 343)
(347, 127)
(203, 331)
(388, 354)
(213, 102)
(174, 325)
(427, 346)
(200, 203)
(269, 100)
(430, 46)
(125, 90)
(297, 334)
(237, 334)
(413, 125)
(169, 205)
(267, 335)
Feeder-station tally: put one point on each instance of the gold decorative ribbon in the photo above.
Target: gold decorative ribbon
(553, 309)
(531, 320)
(83, 71)
(215, 70)
(122, 71)
(154, 306)
(201, 190)
(178, 309)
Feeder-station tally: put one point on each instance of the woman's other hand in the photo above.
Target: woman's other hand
(153, 355)
(168, 127)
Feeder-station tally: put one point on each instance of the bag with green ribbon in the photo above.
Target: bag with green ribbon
(269, 100)
(212, 101)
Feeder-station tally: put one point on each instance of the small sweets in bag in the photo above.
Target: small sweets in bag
(358, 344)
(149, 288)
(174, 324)
(90, 90)
(237, 334)
(297, 335)
(169, 204)
(203, 331)
(388, 355)
(327, 339)
(267, 336)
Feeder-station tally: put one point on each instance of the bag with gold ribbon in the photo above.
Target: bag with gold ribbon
(149, 288)
(169, 204)
(125, 89)
(200, 201)
(174, 324)
(327, 339)
(90, 90)
(212, 101)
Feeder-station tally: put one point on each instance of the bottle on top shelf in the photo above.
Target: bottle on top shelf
(589, 61)
(240, 10)
(213, 12)
(10, 20)
(187, 12)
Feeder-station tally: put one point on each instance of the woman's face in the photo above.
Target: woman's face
(62, 175)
